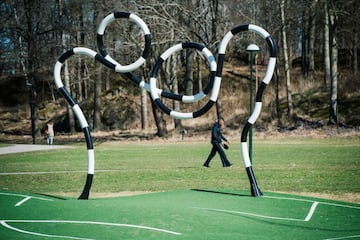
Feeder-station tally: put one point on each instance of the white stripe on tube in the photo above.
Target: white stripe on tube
(110, 59)
(215, 89)
(255, 114)
(153, 91)
(140, 22)
(245, 154)
(85, 51)
(57, 77)
(146, 86)
(211, 59)
(107, 20)
(171, 50)
(91, 161)
(180, 115)
(270, 70)
(224, 42)
(131, 67)
(262, 32)
(193, 98)
(80, 116)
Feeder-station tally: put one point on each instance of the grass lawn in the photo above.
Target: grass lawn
(301, 165)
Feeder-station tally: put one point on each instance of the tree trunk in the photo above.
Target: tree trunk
(219, 109)
(143, 105)
(355, 51)
(333, 118)
(31, 9)
(286, 62)
(199, 73)
(305, 43)
(327, 69)
(175, 87)
(312, 34)
(189, 72)
(97, 100)
(159, 122)
(70, 113)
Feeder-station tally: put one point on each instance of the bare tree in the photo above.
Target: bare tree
(286, 61)
(70, 113)
(327, 68)
(333, 118)
(312, 35)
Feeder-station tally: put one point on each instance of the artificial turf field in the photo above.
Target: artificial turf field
(188, 201)
(182, 214)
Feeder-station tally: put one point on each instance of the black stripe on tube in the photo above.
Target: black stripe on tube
(245, 131)
(86, 191)
(88, 138)
(66, 55)
(67, 96)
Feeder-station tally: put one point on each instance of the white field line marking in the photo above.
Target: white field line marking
(307, 218)
(347, 237)
(22, 201)
(311, 212)
(25, 196)
(93, 223)
(39, 234)
(59, 172)
(307, 200)
(33, 173)
(252, 214)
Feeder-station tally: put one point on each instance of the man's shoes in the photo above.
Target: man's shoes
(228, 165)
(206, 166)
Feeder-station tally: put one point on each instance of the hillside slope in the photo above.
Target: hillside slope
(121, 113)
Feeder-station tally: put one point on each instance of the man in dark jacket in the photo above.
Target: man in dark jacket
(216, 140)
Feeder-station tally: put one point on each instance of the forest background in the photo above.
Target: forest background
(316, 82)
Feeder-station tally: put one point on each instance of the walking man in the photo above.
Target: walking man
(216, 140)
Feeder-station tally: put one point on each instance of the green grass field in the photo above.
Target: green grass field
(329, 165)
(188, 201)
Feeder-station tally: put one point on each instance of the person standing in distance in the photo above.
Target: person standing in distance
(50, 132)
(216, 140)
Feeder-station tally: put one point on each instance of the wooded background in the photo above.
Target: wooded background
(319, 37)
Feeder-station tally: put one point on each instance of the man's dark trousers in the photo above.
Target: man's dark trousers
(217, 148)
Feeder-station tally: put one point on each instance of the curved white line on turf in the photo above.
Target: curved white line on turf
(39, 234)
(252, 214)
(347, 237)
(307, 218)
(5, 224)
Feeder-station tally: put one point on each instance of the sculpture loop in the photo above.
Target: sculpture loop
(213, 84)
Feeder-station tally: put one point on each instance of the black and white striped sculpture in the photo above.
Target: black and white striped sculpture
(78, 113)
(183, 98)
(255, 190)
(213, 84)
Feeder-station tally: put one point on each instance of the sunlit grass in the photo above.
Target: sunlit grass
(294, 165)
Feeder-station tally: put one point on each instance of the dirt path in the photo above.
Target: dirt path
(18, 148)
